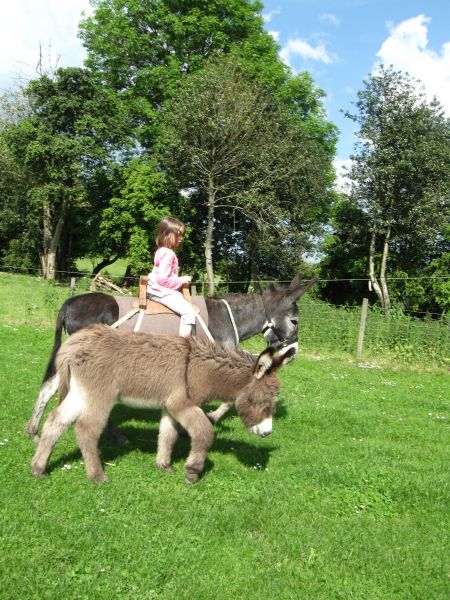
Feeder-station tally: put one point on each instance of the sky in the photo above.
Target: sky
(340, 42)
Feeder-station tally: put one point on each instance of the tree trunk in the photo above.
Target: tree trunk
(102, 264)
(255, 281)
(381, 288)
(373, 279)
(384, 287)
(209, 238)
(51, 241)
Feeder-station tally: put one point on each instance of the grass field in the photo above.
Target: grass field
(348, 498)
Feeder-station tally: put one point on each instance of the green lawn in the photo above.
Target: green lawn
(348, 498)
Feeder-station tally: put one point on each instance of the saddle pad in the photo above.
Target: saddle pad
(152, 307)
(164, 323)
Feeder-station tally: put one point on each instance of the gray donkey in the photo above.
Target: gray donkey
(99, 366)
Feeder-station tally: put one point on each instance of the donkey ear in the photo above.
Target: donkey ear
(296, 290)
(284, 357)
(295, 283)
(264, 362)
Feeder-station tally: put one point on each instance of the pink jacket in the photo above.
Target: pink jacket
(163, 279)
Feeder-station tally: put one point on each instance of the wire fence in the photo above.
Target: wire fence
(221, 284)
(324, 327)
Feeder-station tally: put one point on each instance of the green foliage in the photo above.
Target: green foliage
(396, 219)
(252, 163)
(400, 169)
(74, 192)
(142, 49)
(345, 254)
(128, 224)
(71, 127)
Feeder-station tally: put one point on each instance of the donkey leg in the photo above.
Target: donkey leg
(168, 435)
(113, 434)
(47, 391)
(215, 415)
(200, 430)
(88, 429)
(56, 424)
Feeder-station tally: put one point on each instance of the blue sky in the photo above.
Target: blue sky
(339, 42)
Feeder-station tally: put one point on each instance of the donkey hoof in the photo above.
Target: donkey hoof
(117, 438)
(122, 440)
(98, 477)
(32, 434)
(211, 417)
(191, 477)
(165, 468)
(37, 471)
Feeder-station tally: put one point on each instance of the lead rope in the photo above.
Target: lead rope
(232, 321)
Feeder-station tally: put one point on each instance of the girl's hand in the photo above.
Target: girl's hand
(186, 279)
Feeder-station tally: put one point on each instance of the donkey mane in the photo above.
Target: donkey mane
(223, 355)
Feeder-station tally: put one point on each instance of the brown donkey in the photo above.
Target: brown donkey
(100, 366)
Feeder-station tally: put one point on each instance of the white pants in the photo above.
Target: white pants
(176, 302)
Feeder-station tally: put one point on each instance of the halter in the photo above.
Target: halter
(268, 325)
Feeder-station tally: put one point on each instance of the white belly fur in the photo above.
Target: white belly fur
(139, 402)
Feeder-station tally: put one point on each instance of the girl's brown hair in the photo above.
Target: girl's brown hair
(168, 231)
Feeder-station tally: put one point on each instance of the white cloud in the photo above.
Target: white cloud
(341, 167)
(407, 49)
(28, 24)
(275, 35)
(298, 47)
(270, 15)
(330, 18)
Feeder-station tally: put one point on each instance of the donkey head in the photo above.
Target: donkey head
(256, 402)
(280, 304)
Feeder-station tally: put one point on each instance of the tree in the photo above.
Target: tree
(145, 50)
(72, 127)
(228, 139)
(400, 173)
(344, 252)
(129, 221)
(142, 48)
(16, 249)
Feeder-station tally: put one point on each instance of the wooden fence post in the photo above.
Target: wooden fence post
(362, 326)
(72, 285)
(193, 289)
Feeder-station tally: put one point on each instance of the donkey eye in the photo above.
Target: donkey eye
(294, 321)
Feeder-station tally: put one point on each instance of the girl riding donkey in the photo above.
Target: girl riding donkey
(164, 282)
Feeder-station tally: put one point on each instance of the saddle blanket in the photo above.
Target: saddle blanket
(164, 323)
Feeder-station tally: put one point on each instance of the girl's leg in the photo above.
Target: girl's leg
(182, 307)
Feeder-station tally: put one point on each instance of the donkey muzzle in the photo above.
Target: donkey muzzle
(262, 429)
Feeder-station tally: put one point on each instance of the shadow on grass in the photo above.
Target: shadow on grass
(145, 439)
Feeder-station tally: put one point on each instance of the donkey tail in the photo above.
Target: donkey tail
(63, 372)
(63, 369)
(51, 370)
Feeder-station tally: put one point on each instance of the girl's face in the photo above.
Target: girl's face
(177, 239)
(180, 238)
